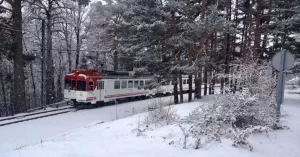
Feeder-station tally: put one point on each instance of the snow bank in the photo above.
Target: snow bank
(117, 138)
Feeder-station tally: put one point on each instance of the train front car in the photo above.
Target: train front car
(80, 87)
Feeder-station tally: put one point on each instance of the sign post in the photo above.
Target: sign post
(281, 61)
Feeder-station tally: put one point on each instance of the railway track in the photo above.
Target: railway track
(36, 115)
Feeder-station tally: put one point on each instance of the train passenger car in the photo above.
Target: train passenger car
(92, 88)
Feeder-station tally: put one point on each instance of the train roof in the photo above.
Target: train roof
(82, 73)
(126, 77)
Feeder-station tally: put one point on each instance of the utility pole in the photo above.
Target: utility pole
(43, 100)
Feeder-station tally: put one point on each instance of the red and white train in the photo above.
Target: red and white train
(88, 87)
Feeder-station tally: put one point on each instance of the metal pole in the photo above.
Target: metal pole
(43, 66)
(280, 85)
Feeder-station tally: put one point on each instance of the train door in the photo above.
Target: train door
(101, 90)
(72, 91)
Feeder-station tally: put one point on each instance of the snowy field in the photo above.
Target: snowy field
(82, 134)
(32, 132)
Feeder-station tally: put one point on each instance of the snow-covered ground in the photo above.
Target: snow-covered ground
(31, 132)
(117, 138)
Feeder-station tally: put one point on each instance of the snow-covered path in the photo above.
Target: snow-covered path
(26, 133)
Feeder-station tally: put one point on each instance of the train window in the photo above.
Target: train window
(193, 80)
(141, 83)
(184, 81)
(188, 81)
(117, 84)
(124, 84)
(147, 82)
(136, 84)
(130, 84)
(67, 84)
(81, 85)
(73, 87)
(100, 85)
(91, 85)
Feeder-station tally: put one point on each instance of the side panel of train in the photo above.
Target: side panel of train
(121, 88)
(109, 90)
(96, 89)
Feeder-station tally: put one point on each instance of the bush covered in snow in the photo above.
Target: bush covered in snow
(159, 114)
(233, 116)
(239, 115)
(229, 117)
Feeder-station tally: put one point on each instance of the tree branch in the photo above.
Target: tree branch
(8, 1)
(7, 9)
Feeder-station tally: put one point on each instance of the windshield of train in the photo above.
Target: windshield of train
(81, 85)
(67, 84)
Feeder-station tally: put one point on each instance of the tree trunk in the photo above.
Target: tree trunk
(212, 52)
(180, 88)
(116, 61)
(235, 81)
(4, 94)
(49, 60)
(18, 60)
(198, 84)
(78, 40)
(242, 51)
(59, 89)
(249, 33)
(190, 81)
(235, 44)
(222, 85)
(190, 77)
(205, 81)
(33, 86)
(257, 31)
(227, 53)
(196, 96)
(201, 55)
(210, 79)
(68, 47)
(175, 90)
(213, 84)
(77, 46)
(265, 38)
(59, 80)
(227, 56)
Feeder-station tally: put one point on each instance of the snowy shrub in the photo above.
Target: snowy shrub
(239, 115)
(241, 112)
(202, 125)
(159, 114)
(240, 137)
(140, 129)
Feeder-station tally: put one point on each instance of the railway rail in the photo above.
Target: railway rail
(36, 115)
